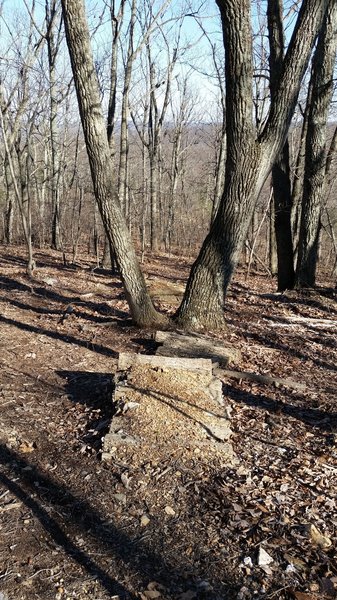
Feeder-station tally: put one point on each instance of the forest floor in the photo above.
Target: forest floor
(72, 526)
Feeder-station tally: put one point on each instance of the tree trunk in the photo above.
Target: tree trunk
(272, 241)
(316, 154)
(53, 47)
(281, 168)
(249, 158)
(124, 133)
(94, 128)
(283, 232)
(296, 191)
(9, 213)
(116, 22)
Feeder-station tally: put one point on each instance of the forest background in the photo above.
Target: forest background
(160, 67)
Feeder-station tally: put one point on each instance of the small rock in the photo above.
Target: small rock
(126, 480)
(169, 511)
(247, 561)
(291, 568)
(264, 558)
(144, 520)
(120, 498)
(129, 406)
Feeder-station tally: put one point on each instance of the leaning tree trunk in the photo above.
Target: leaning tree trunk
(249, 158)
(94, 128)
(316, 154)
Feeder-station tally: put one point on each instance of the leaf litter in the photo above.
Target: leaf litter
(169, 526)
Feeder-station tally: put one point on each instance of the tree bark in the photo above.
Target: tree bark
(297, 185)
(281, 168)
(249, 157)
(94, 128)
(316, 153)
(53, 43)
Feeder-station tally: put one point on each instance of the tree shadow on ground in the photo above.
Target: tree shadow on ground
(170, 399)
(303, 299)
(269, 342)
(68, 339)
(46, 294)
(14, 260)
(42, 262)
(65, 517)
(176, 279)
(93, 390)
(316, 418)
(112, 314)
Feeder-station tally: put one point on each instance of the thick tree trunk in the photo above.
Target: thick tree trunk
(283, 232)
(272, 241)
(94, 128)
(316, 153)
(281, 168)
(249, 158)
(203, 303)
(297, 186)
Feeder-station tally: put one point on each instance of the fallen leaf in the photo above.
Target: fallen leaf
(27, 447)
(297, 562)
(151, 594)
(318, 538)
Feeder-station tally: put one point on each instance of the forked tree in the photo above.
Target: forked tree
(316, 152)
(281, 169)
(250, 156)
(306, 198)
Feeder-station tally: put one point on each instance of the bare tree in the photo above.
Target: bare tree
(94, 128)
(250, 157)
(53, 40)
(316, 151)
(18, 115)
(281, 169)
(181, 121)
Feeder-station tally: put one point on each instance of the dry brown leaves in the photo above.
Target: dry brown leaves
(163, 527)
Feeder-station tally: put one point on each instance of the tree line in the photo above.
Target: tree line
(141, 138)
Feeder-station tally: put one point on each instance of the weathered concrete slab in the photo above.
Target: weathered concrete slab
(127, 360)
(167, 406)
(195, 346)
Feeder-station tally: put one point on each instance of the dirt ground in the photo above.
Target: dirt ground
(169, 526)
